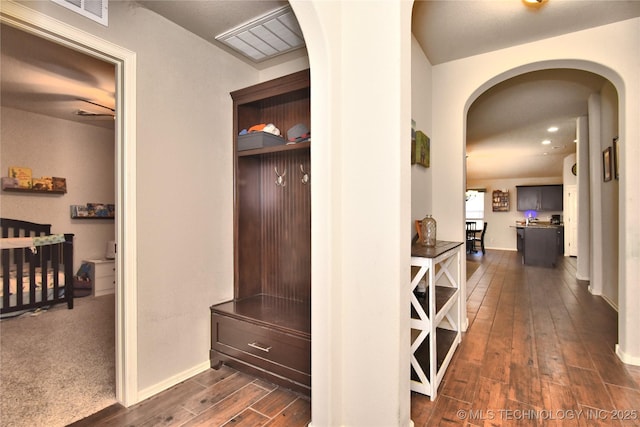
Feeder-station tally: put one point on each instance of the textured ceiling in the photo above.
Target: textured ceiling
(44, 77)
(454, 29)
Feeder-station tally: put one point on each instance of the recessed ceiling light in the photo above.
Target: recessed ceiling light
(553, 129)
(546, 142)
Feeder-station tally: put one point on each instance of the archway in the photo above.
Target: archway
(605, 235)
(534, 100)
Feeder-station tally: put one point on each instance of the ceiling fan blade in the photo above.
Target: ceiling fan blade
(95, 103)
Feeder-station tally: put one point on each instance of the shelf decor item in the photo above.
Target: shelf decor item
(59, 184)
(429, 226)
(22, 174)
(500, 201)
(93, 211)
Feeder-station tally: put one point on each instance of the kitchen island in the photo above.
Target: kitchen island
(540, 243)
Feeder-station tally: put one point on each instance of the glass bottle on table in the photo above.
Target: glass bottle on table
(429, 231)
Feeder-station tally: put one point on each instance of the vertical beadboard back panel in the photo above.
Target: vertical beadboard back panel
(249, 235)
(272, 226)
(286, 226)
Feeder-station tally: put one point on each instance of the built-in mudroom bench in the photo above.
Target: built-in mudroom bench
(266, 328)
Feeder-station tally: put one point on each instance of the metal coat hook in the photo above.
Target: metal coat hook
(305, 175)
(280, 177)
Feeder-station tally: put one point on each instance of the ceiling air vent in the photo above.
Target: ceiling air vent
(266, 36)
(96, 10)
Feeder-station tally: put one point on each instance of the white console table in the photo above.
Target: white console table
(436, 315)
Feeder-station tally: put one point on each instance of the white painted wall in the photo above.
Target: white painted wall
(361, 112)
(53, 147)
(609, 206)
(583, 264)
(595, 194)
(568, 178)
(420, 112)
(570, 205)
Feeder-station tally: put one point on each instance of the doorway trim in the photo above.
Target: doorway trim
(44, 26)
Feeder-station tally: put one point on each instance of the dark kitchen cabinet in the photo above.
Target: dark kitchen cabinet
(540, 246)
(540, 198)
(560, 240)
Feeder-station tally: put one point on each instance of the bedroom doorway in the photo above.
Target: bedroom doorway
(124, 61)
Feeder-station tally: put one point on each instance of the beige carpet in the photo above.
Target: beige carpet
(58, 366)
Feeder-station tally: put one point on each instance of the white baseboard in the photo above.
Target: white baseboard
(627, 358)
(170, 382)
(610, 302)
(500, 249)
(585, 278)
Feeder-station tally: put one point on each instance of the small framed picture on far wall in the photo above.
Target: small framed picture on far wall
(607, 163)
(616, 157)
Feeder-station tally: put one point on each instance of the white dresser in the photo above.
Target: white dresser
(103, 276)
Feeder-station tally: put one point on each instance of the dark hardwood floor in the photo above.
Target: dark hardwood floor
(539, 351)
(224, 397)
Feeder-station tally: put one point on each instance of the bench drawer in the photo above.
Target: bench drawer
(266, 348)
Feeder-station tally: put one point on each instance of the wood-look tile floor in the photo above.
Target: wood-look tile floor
(213, 398)
(539, 351)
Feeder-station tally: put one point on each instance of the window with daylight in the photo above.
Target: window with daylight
(474, 206)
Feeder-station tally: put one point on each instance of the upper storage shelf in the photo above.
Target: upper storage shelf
(275, 149)
(285, 102)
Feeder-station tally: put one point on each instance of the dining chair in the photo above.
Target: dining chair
(479, 240)
(471, 234)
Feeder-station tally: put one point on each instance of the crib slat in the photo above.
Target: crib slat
(51, 259)
(5, 277)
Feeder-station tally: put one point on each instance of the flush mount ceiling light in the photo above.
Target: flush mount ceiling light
(534, 3)
(267, 36)
(546, 142)
(553, 129)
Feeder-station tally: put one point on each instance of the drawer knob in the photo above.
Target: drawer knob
(259, 346)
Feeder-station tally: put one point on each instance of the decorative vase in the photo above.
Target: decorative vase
(429, 231)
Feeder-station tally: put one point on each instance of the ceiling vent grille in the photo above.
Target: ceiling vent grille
(96, 10)
(267, 36)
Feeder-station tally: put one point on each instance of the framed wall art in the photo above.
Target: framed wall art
(422, 151)
(413, 142)
(606, 164)
(616, 157)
